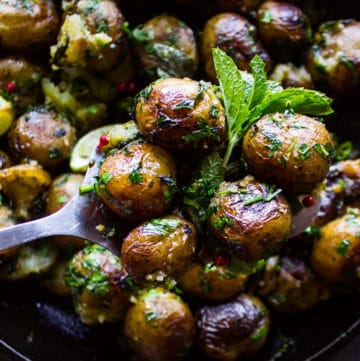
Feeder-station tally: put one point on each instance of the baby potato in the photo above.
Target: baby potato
(159, 326)
(237, 37)
(26, 26)
(288, 285)
(231, 330)
(138, 181)
(283, 27)
(335, 255)
(44, 135)
(94, 276)
(250, 219)
(291, 76)
(333, 60)
(20, 80)
(292, 151)
(161, 246)
(61, 190)
(181, 114)
(165, 47)
(5, 160)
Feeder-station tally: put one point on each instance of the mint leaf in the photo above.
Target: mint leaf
(257, 67)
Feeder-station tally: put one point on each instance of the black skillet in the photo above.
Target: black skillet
(37, 326)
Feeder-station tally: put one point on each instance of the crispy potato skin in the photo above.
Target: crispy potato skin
(233, 329)
(250, 231)
(289, 285)
(61, 190)
(43, 135)
(334, 60)
(181, 114)
(290, 150)
(170, 31)
(159, 326)
(25, 26)
(141, 177)
(26, 77)
(164, 245)
(235, 35)
(336, 255)
(283, 26)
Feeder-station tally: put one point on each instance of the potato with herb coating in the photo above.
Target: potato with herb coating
(138, 182)
(44, 135)
(250, 219)
(334, 59)
(336, 254)
(289, 285)
(234, 329)
(26, 26)
(159, 326)
(94, 276)
(165, 47)
(20, 82)
(283, 28)
(91, 36)
(235, 35)
(290, 150)
(163, 246)
(181, 114)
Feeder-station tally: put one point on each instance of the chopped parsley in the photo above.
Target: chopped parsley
(161, 226)
(222, 222)
(343, 248)
(135, 177)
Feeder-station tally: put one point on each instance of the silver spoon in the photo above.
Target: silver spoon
(84, 216)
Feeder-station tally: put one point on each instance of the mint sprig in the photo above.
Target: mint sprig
(247, 97)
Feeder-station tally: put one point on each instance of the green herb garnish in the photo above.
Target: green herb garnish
(343, 248)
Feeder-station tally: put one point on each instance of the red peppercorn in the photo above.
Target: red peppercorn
(10, 86)
(131, 87)
(221, 261)
(122, 86)
(308, 201)
(103, 140)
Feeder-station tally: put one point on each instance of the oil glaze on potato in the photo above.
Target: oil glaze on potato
(290, 150)
(138, 181)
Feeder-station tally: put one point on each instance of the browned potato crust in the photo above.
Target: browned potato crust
(27, 25)
(161, 246)
(159, 326)
(334, 60)
(289, 285)
(181, 114)
(169, 49)
(43, 135)
(234, 329)
(235, 35)
(336, 255)
(290, 150)
(138, 181)
(250, 219)
(283, 27)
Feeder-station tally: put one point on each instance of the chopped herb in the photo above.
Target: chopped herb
(135, 177)
(274, 146)
(313, 231)
(214, 111)
(61, 199)
(266, 17)
(304, 151)
(343, 150)
(161, 226)
(343, 247)
(259, 334)
(185, 104)
(204, 132)
(222, 222)
(321, 149)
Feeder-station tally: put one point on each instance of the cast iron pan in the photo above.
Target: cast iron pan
(34, 325)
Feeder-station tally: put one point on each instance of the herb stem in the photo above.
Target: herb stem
(232, 143)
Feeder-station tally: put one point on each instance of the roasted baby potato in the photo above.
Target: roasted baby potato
(6, 115)
(165, 47)
(20, 82)
(181, 114)
(94, 276)
(27, 26)
(159, 326)
(161, 246)
(138, 181)
(333, 60)
(283, 28)
(288, 284)
(5, 160)
(44, 135)
(290, 150)
(91, 36)
(250, 219)
(22, 184)
(235, 35)
(291, 76)
(234, 329)
(335, 256)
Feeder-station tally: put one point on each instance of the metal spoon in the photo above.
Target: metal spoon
(84, 216)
